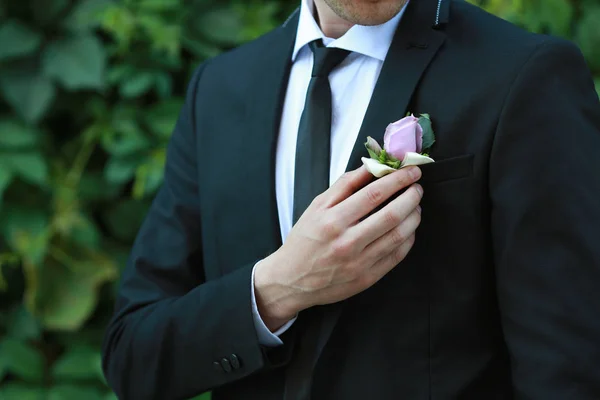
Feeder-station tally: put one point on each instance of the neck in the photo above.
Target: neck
(332, 25)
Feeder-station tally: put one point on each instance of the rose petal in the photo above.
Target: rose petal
(419, 133)
(376, 168)
(402, 136)
(398, 125)
(415, 159)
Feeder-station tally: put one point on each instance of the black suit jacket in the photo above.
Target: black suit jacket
(498, 299)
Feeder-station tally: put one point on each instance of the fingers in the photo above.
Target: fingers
(347, 185)
(394, 238)
(369, 197)
(388, 218)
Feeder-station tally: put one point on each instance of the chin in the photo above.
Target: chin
(367, 12)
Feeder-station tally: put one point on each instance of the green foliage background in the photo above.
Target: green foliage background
(89, 93)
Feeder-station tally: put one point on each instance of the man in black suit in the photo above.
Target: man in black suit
(478, 282)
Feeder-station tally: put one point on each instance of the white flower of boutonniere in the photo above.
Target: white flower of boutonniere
(405, 143)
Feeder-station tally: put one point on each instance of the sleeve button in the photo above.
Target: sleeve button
(226, 365)
(235, 361)
(217, 366)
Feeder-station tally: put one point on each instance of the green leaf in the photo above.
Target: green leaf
(72, 392)
(149, 175)
(125, 144)
(17, 40)
(15, 134)
(120, 72)
(85, 233)
(86, 15)
(22, 325)
(68, 287)
(597, 82)
(548, 16)
(138, 84)
(258, 18)
(120, 170)
(162, 117)
(30, 166)
(159, 5)
(164, 85)
(428, 135)
(21, 391)
(27, 91)
(112, 396)
(78, 363)
(372, 154)
(76, 62)
(394, 164)
(22, 360)
(27, 232)
(588, 36)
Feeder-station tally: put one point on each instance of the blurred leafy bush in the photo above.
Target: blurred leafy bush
(89, 93)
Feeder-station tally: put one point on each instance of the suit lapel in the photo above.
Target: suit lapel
(414, 46)
(267, 94)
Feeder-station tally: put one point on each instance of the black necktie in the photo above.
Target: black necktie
(314, 143)
(311, 179)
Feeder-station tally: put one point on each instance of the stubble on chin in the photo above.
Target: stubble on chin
(366, 13)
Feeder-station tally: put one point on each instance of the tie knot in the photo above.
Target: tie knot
(326, 58)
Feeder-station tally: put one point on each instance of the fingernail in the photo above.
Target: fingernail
(419, 189)
(419, 209)
(415, 172)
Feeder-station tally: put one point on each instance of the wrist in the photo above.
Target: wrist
(276, 302)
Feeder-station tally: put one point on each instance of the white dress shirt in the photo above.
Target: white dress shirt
(352, 84)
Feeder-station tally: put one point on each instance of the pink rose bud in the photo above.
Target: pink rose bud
(402, 137)
(373, 145)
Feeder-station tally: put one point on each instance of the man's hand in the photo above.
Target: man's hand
(334, 252)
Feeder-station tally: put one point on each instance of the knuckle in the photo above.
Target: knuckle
(348, 178)
(320, 200)
(397, 237)
(342, 249)
(331, 228)
(374, 195)
(349, 271)
(391, 218)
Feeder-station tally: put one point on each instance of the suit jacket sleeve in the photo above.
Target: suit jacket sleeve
(173, 331)
(545, 190)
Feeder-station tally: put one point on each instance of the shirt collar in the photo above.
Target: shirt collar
(372, 41)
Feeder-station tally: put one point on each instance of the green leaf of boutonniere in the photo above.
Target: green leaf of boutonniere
(394, 164)
(373, 154)
(428, 135)
(382, 156)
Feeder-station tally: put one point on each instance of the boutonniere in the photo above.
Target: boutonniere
(406, 142)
